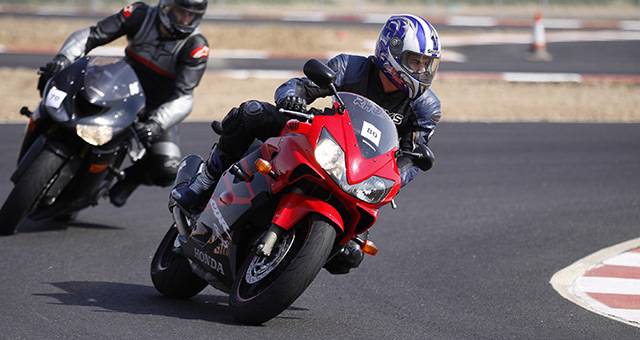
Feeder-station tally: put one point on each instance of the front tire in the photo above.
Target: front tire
(171, 273)
(267, 286)
(28, 190)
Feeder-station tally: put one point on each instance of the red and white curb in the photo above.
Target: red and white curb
(606, 282)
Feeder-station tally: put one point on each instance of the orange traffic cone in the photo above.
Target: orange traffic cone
(538, 49)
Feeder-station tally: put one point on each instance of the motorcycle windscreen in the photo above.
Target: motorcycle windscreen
(108, 79)
(374, 130)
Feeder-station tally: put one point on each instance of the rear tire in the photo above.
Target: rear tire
(255, 299)
(171, 273)
(28, 190)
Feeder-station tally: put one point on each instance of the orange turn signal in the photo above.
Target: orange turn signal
(263, 166)
(97, 168)
(369, 248)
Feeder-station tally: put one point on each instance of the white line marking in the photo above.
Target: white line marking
(224, 16)
(240, 54)
(608, 285)
(376, 18)
(472, 21)
(562, 23)
(542, 77)
(632, 315)
(259, 74)
(630, 25)
(305, 17)
(626, 259)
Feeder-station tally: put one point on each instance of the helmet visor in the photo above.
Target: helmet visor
(420, 66)
(184, 17)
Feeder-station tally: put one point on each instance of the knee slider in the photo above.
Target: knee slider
(163, 170)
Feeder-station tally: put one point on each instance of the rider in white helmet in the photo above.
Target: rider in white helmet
(398, 78)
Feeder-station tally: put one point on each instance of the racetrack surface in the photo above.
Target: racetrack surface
(468, 254)
(568, 57)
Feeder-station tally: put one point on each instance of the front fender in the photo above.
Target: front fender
(40, 144)
(293, 207)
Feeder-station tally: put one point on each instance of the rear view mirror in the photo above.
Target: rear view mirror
(319, 73)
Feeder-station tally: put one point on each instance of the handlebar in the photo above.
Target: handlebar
(305, 116)
(408, 153)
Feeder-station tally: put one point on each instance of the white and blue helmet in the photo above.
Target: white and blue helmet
(408, 52)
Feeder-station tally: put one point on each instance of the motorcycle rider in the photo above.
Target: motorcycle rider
(169, 56)
(398, 78)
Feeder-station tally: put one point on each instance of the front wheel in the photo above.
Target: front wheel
(265, 286)
(28, 190)
(171, 273)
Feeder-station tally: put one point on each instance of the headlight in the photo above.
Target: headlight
(373, 190)
(95, 134)
(331, 158)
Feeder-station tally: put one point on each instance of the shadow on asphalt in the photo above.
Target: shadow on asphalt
(143, 300)
(48, 225)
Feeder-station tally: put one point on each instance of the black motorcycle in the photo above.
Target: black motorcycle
(76, 141)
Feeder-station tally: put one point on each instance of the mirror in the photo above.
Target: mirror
(319, 73)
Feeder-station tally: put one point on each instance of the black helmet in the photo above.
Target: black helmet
(181, 17)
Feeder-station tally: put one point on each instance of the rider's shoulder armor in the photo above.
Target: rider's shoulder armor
(148, 48)
(350, 69)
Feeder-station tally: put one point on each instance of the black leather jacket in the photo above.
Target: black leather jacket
(168, 69)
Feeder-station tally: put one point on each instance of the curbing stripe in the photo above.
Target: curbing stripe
(563, 281)
(608, 285)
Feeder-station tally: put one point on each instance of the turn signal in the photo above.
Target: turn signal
(369, 248)
(97, 168)
(263, 166)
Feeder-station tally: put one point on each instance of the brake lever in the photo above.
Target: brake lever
(306, 116)
(412, 154)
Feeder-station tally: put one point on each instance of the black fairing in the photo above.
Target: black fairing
(95, 91)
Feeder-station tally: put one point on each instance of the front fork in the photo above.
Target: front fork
(292, 208)
(32, 131)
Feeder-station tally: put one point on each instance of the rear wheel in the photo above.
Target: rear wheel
(29, 190)
(171, 273)
(266, 286)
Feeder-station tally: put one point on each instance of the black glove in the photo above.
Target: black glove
(50, 69)
(148, 132)
(293, 103)
(428, 158)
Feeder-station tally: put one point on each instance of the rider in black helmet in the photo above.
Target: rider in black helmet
(169, 55)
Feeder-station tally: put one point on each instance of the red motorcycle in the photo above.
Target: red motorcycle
(283, 211)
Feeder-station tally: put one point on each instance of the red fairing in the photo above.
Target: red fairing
(294, 207)
(296, 147)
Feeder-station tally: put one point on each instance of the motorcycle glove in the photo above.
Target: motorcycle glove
(148, 132)
(293, 103)
(428, 158)
(47, 71)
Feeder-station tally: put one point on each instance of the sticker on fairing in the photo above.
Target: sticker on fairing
(134, 88)
(55, 98)
(370, 132)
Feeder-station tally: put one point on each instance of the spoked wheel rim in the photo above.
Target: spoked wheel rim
(262, 271)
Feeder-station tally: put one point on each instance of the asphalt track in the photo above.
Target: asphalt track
(574, 57)
(468, 254)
